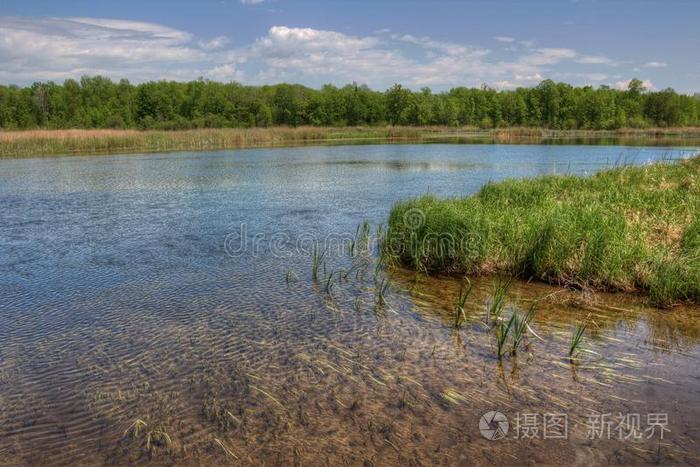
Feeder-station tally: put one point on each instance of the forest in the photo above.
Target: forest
(98, 102)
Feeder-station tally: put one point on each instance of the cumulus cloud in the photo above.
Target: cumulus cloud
(251, 2)
(58, 48)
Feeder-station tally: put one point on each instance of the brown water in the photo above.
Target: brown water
(136, 329)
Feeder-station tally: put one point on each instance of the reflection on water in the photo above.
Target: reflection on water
(129, 334)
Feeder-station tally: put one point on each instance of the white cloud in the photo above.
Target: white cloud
(548, 56)
(624, 84)
(593, 60)
(251, 2)
(215, 43)
(58, 48)
(450, 48)
(504, 39)
(227, 72)
(655, 65)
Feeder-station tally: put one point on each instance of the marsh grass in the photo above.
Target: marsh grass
(521, 324)
(318, 261)
(576, 340)
(31, 143)
(502, 330)
(632, 229)
(381, 289)
(330, 282)
(460, 314)
(498, 299)
(361, 241)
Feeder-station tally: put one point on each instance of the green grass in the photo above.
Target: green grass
(317, 262)
(576, 339)
(460, 314)
(633, 229)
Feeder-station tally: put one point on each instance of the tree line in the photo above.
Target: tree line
(98, 102)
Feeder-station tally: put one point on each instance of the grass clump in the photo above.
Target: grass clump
(576, 340)
(460, 314)
(623, 229)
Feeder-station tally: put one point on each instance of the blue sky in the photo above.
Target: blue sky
(439, 44)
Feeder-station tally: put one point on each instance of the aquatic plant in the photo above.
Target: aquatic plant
(330, 282)
(521, 326)
(502, 330)
(360, 242)
(290, 276)
(576, 339)
(151, 437)
(381, 288)
(460, 314)
(498, 299)
(317, 261)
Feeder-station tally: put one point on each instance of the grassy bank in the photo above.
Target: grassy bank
(50, 142)
(634, 229)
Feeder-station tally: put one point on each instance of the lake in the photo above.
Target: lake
(163, 307)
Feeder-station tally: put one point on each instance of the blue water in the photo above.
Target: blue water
(147, 286)
(72, 226)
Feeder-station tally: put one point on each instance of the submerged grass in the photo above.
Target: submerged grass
(625, 229)
(460, 314)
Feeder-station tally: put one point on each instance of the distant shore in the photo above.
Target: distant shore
(30, 143)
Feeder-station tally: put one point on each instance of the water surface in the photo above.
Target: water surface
(176, 290)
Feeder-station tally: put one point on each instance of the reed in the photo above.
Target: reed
(576, 340)
(330, 282)
(317, 261)
(381, 289)
(521, 326)
(498, 299)
(30, 143)
(460, 314)
(502, 330)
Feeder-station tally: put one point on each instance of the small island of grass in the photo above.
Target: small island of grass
(633, 229)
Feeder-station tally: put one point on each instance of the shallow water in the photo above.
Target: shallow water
(158, 288)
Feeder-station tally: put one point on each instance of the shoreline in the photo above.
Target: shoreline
(37, 143)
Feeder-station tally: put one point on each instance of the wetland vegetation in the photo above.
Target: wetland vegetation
(97, 115)
(628, 229)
